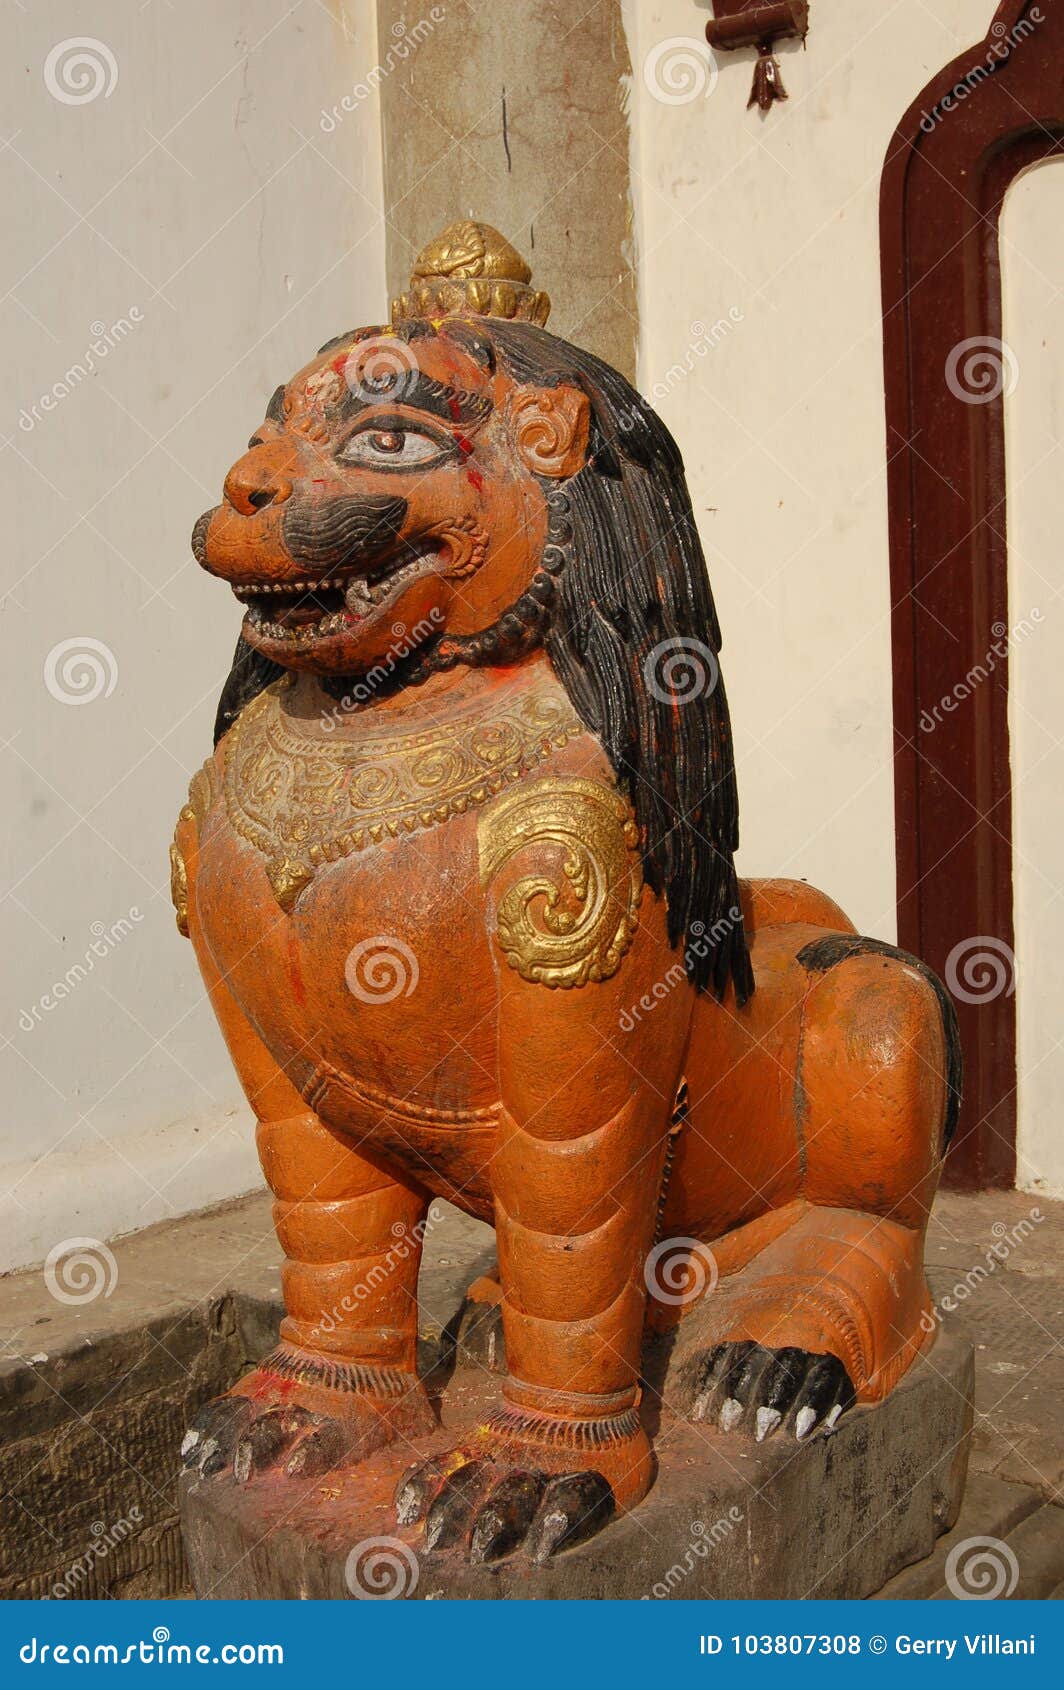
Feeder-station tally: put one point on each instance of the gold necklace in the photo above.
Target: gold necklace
(305, 799)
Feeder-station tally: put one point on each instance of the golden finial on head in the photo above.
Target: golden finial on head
(471, 270)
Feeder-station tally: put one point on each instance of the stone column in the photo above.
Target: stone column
(516, 115)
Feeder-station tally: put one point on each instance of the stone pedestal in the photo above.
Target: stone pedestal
(727, 1518)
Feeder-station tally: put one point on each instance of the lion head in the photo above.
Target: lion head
(475, 488)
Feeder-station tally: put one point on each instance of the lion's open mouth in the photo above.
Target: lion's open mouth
(311, 610)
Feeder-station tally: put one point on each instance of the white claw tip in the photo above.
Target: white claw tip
(829, 1423)
(189, 1442)
(805, 1422)
(767, 1421)
(730, 1414)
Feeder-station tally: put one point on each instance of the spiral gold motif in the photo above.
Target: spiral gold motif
(572, 919)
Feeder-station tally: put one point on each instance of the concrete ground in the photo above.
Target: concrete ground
(95, 1391)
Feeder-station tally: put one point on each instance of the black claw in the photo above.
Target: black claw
(745, 1386)
(416, 1489)
(827, 1388)
(480, 1336)
(503, 1520)
(210, 1440)
(712, 1369)
(318, 1451)
(574, 1507)
(449, 1518)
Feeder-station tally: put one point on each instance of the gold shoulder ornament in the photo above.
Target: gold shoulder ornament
(572, 924)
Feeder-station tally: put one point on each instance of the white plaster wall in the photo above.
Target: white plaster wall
(770, 227)
(1033, 240)
(202, 202)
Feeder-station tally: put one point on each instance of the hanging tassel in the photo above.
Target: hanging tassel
(768, 79)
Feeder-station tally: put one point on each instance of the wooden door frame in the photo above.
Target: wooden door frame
(997, 109)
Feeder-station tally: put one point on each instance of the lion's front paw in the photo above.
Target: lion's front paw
(488, 1509)
(748, 1388)
(303, 1416)
(234, 1432)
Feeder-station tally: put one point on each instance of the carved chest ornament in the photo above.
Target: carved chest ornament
(304, 798)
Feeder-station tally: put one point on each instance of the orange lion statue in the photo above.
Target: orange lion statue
(459, 878)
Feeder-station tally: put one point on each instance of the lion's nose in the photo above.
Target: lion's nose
(263, 476)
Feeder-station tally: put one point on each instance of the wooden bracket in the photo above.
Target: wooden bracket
(749, 23)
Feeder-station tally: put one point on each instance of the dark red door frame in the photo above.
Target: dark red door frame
(997, 109)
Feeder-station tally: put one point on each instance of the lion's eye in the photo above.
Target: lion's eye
(393, 448)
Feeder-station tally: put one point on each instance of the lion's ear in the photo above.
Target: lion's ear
(550, 429)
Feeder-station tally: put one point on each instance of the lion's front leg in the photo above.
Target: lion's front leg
(343, 1380)
(576, 1180)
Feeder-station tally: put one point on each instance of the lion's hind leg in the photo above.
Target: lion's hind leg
(835, 1307)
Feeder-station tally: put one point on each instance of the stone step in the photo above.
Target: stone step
(991, 1508)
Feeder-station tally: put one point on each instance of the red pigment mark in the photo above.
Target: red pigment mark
(319, 481)
(454, 408)
(339, 363)
(475, 478)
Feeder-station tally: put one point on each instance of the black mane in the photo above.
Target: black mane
(638, 583)
(634, 596)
